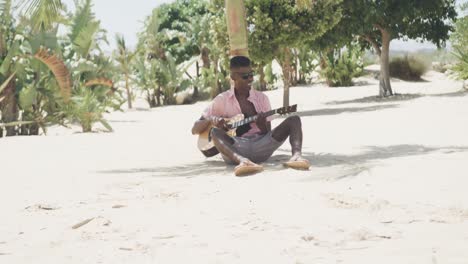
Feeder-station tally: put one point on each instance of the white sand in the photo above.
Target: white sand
(388, 185)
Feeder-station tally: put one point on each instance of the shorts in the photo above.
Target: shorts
(257, 148)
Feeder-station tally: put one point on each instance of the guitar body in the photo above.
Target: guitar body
(206, 145)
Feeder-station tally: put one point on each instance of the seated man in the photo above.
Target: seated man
(257, 142)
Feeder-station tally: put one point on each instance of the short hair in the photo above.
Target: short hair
(238, 62)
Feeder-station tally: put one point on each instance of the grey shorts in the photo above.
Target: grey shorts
(257, 148)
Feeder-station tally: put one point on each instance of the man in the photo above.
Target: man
(257, 142)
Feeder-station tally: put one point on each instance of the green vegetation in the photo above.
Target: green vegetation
(342, 66)
(459, 41)
(48, 78)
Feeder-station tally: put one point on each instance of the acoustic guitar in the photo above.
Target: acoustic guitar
(237, 125)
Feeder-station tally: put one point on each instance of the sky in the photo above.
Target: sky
(126, 17)
(122, 16)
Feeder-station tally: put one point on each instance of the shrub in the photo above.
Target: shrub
(459, 39)
(340, 67)
(409, 68)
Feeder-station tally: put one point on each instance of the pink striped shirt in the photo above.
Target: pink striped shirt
(226, 105)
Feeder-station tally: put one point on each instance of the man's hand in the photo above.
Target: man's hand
(262, 122)
(219, 122)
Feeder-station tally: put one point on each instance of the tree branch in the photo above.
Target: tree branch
(373, 43)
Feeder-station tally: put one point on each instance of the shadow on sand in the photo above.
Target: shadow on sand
(353, 165)
(336, 111)
(207, 167)
(324, 165)
(398, 98)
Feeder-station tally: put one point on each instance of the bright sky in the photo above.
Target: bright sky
(127, 16)
(122, 16)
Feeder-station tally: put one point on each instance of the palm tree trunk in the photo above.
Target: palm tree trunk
(237, 28)
(195, 88)
(129, 94)
(158, 95)
(9, 108)
(205, 56)
(286, 69)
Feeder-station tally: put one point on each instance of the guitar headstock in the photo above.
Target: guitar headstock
(287, 109)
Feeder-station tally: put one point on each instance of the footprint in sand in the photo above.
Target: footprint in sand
(449, 215)
(41, 207)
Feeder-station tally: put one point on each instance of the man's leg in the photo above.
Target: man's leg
(224, 144)
(291, 127)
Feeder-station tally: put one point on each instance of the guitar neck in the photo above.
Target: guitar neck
(251, 119)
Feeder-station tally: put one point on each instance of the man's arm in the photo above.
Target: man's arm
(203, 123)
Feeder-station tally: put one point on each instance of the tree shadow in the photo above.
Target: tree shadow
(353, 165)
(123, 121)
(336, 111)
(325, 166)
(207, 167)
(460, 93)
(398, 98)
(329, 166)
(379, 99)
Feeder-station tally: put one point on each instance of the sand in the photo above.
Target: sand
(387, 185)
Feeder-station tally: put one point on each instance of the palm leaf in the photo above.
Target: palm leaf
(17, 123)
(60, 71)
(43, 13)
(84, 41)
(83, 16)
(5, 12)
(100, 81)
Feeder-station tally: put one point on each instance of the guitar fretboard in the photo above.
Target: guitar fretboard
(251, 119)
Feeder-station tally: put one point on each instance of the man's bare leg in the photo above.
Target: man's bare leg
(291, 127)
(224, 143)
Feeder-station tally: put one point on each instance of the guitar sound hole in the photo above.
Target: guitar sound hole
(242, 130)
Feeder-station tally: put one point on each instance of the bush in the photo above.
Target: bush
(409, 68)
(340, 67)
(459, 39)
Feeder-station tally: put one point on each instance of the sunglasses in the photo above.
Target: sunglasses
(246, 75)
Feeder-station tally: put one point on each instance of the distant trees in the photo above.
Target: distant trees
(278, 26)
(378, 22)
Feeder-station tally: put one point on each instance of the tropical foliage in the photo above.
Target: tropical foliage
(342, 65)
(459, 39)
(52, 78)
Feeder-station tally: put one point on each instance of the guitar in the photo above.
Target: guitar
(237, 126)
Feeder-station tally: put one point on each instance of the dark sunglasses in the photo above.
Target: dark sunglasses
(246, 75)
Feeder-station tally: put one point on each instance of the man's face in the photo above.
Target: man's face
(242, 77)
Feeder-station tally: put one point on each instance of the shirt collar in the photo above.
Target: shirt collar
(252, 94)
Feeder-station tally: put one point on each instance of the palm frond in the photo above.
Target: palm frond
(5, 12)
(83, 16)
(100, 81)
(60, 71)
(43, 13)
(85, 40)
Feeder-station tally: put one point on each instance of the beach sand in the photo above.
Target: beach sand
(387, 185)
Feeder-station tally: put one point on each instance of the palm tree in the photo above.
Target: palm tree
(44, 14)
(125, 57)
